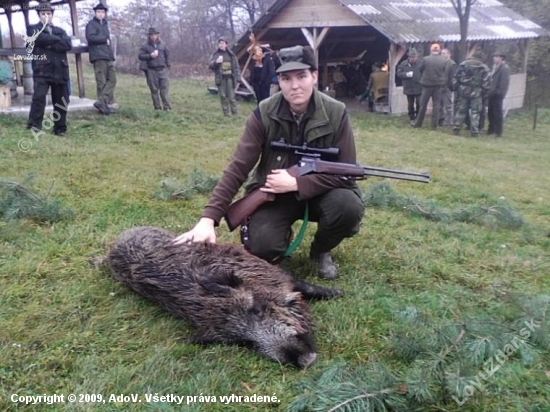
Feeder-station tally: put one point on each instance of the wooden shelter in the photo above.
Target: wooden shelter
(9, 7)
(378, 30)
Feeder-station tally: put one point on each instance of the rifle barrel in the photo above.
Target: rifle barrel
(357, 171)
(375, 169)
(414, 177)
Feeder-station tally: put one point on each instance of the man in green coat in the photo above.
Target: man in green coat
(432, 77)
(301, 115)
(227, 75)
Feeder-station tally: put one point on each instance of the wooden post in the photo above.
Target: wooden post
(5, 96)
(315, 40)
(396, 53)
(78, 56)
(26, 15)
(17, 67)
(524, 49)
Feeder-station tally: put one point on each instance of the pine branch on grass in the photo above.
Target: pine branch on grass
(198, 182)
(18, 201)
(499, 215)
(441, 362)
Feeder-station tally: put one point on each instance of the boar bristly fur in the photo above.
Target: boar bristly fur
(228, 294)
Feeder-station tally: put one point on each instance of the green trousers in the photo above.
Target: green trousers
(105, 78)
(338, 212)
(157, 80)
(226, 90)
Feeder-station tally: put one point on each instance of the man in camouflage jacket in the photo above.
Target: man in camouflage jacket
(472, 82)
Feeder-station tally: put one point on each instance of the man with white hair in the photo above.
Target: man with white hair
(432, 72)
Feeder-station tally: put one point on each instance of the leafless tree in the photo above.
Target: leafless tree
(463, 9)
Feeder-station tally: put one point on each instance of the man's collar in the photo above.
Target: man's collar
(285, 112)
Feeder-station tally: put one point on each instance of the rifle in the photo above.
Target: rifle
(311, 162)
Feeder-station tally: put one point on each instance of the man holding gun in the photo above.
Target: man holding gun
(300, 115)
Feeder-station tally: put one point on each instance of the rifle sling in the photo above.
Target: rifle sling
(296, 242)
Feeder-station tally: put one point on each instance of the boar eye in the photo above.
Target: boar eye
(258, 309)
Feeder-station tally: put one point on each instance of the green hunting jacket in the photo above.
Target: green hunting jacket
(432, 70)
(217, 67)
(325, 124)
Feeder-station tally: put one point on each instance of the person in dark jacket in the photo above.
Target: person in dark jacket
(102, 57)
(262, 73)
(408, 72)
(156, 54)
(500, 81)
(432, 71)
(50, 71)
(301, 115)
(227, 75)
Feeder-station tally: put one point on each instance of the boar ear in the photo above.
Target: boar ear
(221, 282)
(311, 291)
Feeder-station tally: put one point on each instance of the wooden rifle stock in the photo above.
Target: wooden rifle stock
(238, 211)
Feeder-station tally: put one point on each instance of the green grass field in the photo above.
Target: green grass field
(67, 327)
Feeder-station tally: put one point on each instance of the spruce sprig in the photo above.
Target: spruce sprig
(197, 182)
(18, 201)
(497, 215)
(438, 361)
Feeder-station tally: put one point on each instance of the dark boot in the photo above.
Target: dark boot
(326, 268)
(102, 107)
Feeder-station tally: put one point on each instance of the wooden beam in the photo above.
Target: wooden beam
(26, 15)
(309, 37)
(315, 39)
(524, 49)
(396, 52)
(78, 56)
(10, 25)
(312, 40)
(243, 80)
(258, 36)
(18, 67)
(322, 36)
(471, 49)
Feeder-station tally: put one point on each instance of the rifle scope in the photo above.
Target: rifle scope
(306, 150)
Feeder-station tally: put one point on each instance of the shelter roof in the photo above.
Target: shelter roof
(410, 21)
(415, 21)
(16, 6)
